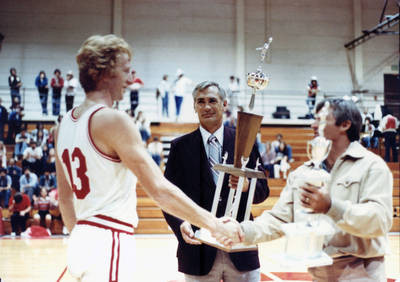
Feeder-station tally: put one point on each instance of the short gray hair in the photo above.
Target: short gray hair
(206, 84)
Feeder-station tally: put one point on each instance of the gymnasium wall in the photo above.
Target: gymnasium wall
(199, 37)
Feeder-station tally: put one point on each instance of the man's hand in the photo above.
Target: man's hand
(229, 232)
(233, 183)
(188, 234)
(315, 198)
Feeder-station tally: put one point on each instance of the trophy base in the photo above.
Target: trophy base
(289, 261)
(204, 236)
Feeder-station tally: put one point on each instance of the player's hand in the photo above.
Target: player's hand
(234, 180)
(315, 198)
(188, 234)
(229, 232)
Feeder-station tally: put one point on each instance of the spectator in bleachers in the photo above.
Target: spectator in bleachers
(181, 87)
(5, 188)
(268, 159)
(14, 171)
(50, 139)
(389, 126)
(155, 149)
(71, 84)
(42, 84)
(3, 119)
(47, 181)
(14, 121)
(281, 161)
(3, 155)
(57, 84)
(32, 158)
(19, 206)
(50, 164)
(40, 134)
(312, 91)
(233, 92)
(137, 83)
(22, 140)
(367, 135)
(43, 205)
(15, 83)
(164, 90)
(143, 125)
(279, 140)
(28, 183)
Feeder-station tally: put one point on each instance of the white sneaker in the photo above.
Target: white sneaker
(48, 231)
(65, 230)
(12, 234)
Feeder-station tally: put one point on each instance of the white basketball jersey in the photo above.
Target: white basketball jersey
(101, 184)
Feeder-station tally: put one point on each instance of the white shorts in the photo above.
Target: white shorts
(99, 250)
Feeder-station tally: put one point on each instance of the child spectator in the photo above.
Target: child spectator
(43, 204)
(5, 188)
(19, 206)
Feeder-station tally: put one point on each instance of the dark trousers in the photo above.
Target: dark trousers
(134, 101)
(69, 102)
(178, 104)
(2, 131)
(43, 101)
(390, 144)
(18, 222)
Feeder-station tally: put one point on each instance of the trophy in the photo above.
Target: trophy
(305, 237)
(247, 128)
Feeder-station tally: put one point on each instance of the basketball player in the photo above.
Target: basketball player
(100, 156)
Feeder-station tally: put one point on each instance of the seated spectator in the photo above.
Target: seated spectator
(268, 159)
(281, 161)
(50, 139)
(47, 181)
(389, 126)
(367, 135)
(19, 206)
(3, 155)
(28, 183)
(155, 149)
(143, 126)
(50, 164)
(43, 204)
(31, 158)
(22, 140)
(39, 134)
(14, 171)
(5, 188)
(275, 144)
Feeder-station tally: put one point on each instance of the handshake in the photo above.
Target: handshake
(227, 232)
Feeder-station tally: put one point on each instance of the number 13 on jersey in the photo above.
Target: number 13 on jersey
(80, 175)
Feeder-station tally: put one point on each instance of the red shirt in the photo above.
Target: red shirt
(24, 204)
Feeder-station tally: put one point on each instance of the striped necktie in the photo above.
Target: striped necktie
(214, 155)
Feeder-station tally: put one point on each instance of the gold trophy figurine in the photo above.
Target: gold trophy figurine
(258, 80)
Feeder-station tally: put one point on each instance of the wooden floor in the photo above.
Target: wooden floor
(44, 260)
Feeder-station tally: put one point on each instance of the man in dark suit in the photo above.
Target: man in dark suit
(188, 167)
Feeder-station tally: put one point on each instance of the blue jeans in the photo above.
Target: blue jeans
(165, 105)
(43, 101)
(178, 103)
(56, 105)
(310, 103)
(15, 93)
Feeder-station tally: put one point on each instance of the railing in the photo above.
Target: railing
(265, 103)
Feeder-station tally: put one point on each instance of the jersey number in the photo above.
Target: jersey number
(80, 172)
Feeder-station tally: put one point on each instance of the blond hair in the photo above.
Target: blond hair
(97, 57)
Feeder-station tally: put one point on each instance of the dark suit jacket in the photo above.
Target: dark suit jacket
(188, 168)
